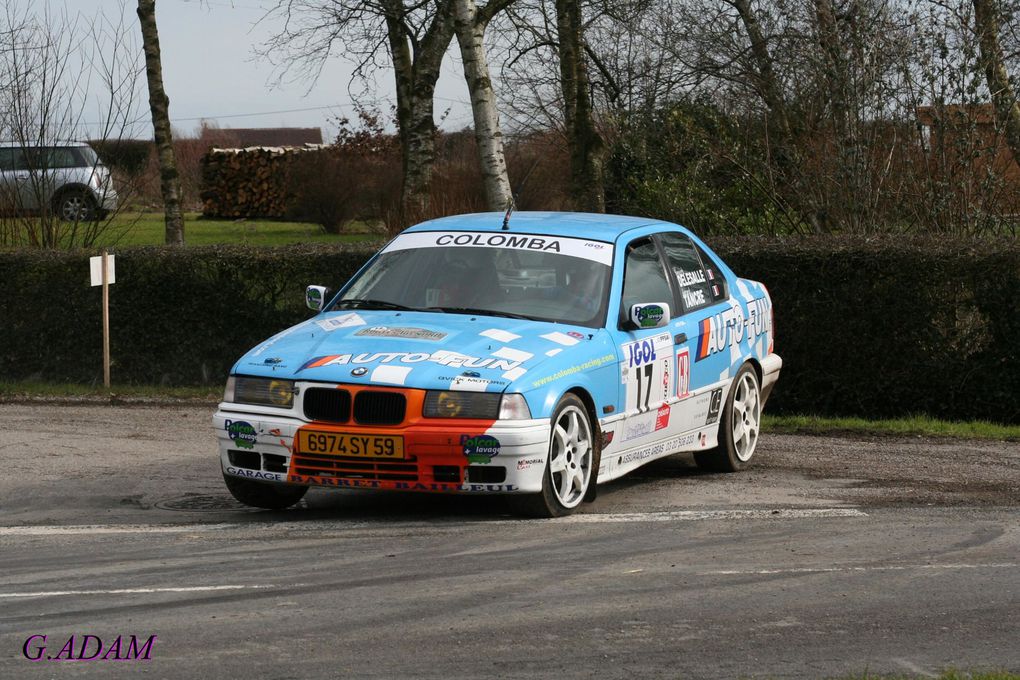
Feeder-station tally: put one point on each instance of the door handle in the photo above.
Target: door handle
(679, 338)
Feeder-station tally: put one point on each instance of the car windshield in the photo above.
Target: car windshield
(544, 278)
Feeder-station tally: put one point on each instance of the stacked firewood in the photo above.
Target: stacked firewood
(248, 182)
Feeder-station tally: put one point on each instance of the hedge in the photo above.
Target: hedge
(866, 327)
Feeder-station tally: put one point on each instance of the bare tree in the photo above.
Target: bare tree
(470, 23)
(159, 106)
(57, 71)
(986, 23)
(412, 37)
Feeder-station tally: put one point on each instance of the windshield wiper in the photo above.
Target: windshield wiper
(372, 304)
(484, 312)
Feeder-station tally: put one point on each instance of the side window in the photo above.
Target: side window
(10, 159)
(716, 280)
(643, 278)
(691, 278)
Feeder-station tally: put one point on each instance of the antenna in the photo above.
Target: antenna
(510, 205)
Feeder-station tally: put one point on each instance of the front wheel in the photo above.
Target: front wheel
(76, 206)
(571, 467)
(739, 426)
(264, 494)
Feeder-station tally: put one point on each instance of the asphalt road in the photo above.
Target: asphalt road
(832, 556)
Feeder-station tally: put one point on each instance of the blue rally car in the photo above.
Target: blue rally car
(535, 358)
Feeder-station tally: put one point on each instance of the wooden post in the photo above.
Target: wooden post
(106, 322)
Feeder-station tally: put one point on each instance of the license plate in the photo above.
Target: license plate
(383, 447)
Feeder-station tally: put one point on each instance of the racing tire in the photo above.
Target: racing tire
(739, 426)
(571, 468)
(264, 495)
(75, 205)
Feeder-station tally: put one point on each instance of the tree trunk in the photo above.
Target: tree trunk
(587, 150)
(159, 105)
(416, 68)
(1007, 110)
(470, 28)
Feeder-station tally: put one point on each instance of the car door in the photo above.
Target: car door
(646, 359)
(703, 296)
(14, 179)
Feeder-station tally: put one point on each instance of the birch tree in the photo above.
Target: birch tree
(470, 23)
(1007, 110)
(159, 106)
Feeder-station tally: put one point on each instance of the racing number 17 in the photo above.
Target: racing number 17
(647, 370)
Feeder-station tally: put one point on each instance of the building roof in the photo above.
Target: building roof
(246, 137)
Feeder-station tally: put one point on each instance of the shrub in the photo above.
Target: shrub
(866, 327)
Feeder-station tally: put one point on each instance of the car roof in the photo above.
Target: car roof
(594, 226)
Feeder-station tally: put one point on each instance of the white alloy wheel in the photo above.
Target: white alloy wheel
(571, 470)
(739, 425)
(570, 456)
(745, 416)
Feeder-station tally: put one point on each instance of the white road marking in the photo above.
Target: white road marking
(340, 525)
(831, 570)
(130, 591)
(91, 529)
(689, 515)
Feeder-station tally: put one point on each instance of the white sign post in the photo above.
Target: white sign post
(103, 274)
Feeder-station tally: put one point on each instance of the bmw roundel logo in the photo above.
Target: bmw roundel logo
(360, 370)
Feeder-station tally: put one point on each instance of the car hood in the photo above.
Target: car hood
(414, 349)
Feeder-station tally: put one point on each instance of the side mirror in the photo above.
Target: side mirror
(649, 315)
(316, 297)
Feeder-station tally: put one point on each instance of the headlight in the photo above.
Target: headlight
(480, 405)
(263, 391)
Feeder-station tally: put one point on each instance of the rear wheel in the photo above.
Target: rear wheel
(264, 494)
(75, 206)
(738, 427)
(571, 466)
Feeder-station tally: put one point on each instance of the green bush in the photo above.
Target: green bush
(866, 327)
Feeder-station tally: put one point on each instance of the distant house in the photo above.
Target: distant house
(242, 138)
(964, 134)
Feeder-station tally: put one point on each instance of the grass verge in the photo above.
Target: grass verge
(134, 229)
(920, 426)
(43, 391)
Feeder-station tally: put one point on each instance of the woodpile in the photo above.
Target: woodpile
(249, 182)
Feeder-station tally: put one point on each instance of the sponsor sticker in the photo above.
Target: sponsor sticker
(404, 333)
(714, 406)
(683, 374)
(241, 433)
(480, 448)
(572, 247)
(527, 463)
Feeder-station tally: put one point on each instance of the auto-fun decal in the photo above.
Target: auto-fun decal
(443, 357)
(720, 331)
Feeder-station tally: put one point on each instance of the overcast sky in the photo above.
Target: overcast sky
(210, 72)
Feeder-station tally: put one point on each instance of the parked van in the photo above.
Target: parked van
(67, 177)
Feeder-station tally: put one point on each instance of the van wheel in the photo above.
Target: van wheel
(263, 494)
(76, 206)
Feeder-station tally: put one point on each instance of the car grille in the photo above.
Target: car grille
(370, 408)
(379, 408)
(315, 465)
